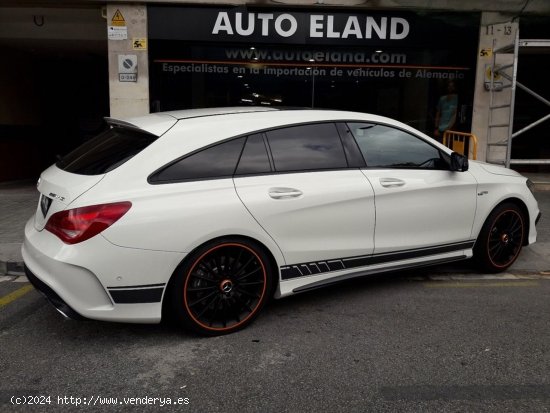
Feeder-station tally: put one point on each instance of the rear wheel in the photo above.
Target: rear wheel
(501, 238)
(222, 286)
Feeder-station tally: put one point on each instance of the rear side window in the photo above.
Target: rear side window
(217, 161)
(254, 159)
(106, 151)
(307, 147)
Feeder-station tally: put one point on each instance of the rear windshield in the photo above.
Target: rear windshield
(106, 151)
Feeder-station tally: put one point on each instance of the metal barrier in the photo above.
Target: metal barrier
(461, 142)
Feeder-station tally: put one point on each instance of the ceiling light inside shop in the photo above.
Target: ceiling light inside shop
(265, 103)
(321, 2)
(378, 51)
(246, 100)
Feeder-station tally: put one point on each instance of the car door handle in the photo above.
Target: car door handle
(284, 193)
(391, 182)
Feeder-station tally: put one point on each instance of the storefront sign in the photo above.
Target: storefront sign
(395, 63)
(235, 24)
(319, 26)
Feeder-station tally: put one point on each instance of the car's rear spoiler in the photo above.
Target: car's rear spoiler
(121, 124)
(154, 124)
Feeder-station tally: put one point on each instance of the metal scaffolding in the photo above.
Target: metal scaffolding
(537, 45)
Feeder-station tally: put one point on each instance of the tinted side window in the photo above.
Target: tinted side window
(307, 147)
(106, 151)
(254, 159)
(387, 147)
(213, 162)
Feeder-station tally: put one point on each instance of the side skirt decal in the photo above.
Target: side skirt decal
(321, 267)
(362, 273)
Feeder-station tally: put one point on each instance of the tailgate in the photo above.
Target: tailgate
(57, 190)
(84, 167)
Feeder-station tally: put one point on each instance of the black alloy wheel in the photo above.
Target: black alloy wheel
(222, 287)
(501, 238)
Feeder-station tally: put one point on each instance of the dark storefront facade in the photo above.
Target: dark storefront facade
(62, 73)
(391, 63)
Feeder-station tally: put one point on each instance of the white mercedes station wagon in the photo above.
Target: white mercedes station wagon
(206, 214)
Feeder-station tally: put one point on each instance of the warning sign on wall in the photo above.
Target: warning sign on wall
(139, 43)
(117, 32)
(118, 19)
(127, 68)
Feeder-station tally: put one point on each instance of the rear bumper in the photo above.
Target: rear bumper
(96, 279)
(52, 297)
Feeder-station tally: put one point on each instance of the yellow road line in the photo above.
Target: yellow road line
(457, 284)
(4, 301)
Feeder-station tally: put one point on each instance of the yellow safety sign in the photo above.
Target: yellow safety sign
(118, 19)
(486, 52)
(139, 43)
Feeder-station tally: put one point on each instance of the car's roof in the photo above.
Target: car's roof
(159, 123)
(232, 121)
(195, 113)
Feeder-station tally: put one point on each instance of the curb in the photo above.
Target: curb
(542, 186)
(12, 268)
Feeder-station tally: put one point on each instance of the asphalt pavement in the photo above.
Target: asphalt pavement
(399, 343)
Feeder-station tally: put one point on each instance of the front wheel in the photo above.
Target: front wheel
(222, 286)
(501, 238)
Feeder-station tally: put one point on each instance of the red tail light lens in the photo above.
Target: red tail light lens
(79, 224)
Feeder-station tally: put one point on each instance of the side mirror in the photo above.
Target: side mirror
(459, 162)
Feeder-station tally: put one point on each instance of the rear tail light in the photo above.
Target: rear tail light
(79, 224)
